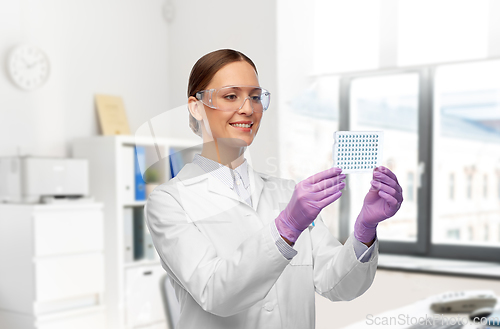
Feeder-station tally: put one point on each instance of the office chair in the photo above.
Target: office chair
(171, 305)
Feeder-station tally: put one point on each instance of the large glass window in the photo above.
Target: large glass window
(410, 187)
(485, 186)
(441, 120)
(498, 184)
(466, 142)
(310, 120)
(389, 104)
(452, 187)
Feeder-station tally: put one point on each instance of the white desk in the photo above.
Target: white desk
(406, 316)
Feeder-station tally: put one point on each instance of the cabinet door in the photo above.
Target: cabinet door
(68, 231)
(69, 276)
(144, 303)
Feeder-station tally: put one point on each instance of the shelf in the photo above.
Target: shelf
(144, 140)
(112, 178)
(135, 204)
(53, 206)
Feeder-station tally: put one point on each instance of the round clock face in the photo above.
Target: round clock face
(28, 67)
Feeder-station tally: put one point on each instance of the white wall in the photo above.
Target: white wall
(112, 47)
(199, 27)
(124, 48)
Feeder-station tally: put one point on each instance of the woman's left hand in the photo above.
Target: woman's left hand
(382, 201)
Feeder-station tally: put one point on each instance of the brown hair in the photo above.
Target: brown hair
(205, 69)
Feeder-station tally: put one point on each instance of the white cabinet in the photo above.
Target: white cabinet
(86, 227)
(144, 304)
(67, 276)
(52, 260)
(133, 283)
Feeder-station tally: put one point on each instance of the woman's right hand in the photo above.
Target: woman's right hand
(309, 197)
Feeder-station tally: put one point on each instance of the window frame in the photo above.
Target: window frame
(424, 177)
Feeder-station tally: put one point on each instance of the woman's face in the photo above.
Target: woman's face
(236, 73)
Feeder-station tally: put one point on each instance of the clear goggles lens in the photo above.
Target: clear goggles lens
(233, 98)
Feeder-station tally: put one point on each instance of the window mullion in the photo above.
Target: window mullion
(425, 149)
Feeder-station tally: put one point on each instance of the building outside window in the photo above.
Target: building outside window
(498, 186)
(410, 187)
(470, 232)
(453, 234)
(452, 186)
(485, 186)
(468, 186)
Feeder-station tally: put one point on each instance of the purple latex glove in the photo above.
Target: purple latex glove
(309, 197)
(382, 201)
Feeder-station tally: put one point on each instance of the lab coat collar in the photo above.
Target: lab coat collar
(191, 174)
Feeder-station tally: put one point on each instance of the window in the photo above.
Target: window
(468, 186)
(455, 136)
(498, 187)
(451, 191)
(388, 103)
(466, 140)
(485, 186)
(453, 234)
(409, 187)
(441, 120)
(306, 128)
(470, 231)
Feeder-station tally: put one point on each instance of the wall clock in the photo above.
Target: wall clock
(28, 66)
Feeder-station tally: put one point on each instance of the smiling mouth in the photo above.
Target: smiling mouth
(242, 125)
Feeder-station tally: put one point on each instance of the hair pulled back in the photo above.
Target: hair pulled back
(205, 69)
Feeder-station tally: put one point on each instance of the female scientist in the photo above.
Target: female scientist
(239, 245)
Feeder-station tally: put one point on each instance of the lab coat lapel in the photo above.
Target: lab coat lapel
(217, 187)
(256, 186)
(192, 174)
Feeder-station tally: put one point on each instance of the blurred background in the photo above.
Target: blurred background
(427, 73)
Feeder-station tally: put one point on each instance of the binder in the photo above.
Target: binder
(128, 180)
(142, 240)
(140, 162)
(128, 229)
(138, 233)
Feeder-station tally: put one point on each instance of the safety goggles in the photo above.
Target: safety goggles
(232, 98)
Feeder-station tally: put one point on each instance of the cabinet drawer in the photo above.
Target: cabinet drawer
(68, 276)
(143, 296)
(68, 231)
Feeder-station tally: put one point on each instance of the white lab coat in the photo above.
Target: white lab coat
(223, 262)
